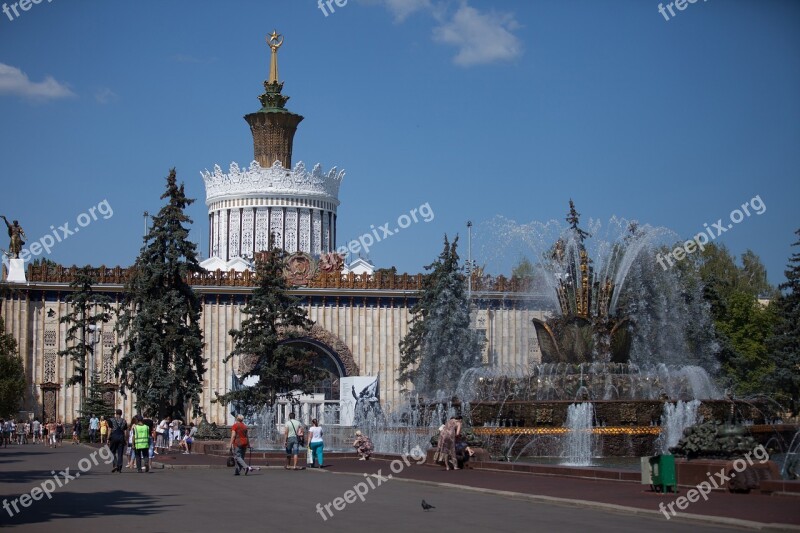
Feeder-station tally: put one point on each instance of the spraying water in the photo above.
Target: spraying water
(578, 442)
(675, 419)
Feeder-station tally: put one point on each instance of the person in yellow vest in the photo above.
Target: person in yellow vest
(141, 443)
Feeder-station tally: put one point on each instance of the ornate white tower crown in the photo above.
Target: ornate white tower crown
(248, 208)
(257, 181)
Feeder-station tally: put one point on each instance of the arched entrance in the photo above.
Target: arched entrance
(333, 356)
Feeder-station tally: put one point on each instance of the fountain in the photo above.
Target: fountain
(608, 298)
(676, 418)
(578, 448)
(791, 462)
(619, 331)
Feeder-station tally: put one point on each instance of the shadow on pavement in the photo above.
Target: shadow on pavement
(77, 505)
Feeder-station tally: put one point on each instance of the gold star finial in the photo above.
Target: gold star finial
(274, 40)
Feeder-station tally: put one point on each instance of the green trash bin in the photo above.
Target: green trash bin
(662, 472)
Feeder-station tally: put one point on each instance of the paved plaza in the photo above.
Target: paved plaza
(188, 497)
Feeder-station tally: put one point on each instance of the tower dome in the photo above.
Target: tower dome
(269, 202)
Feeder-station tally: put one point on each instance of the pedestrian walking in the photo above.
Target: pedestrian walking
(141, 442)
(94, 427)
(103, 430)
(51, 434)
(132, 453)
(117, 440)
(5, 432)
(239, 444)
(315, 443)
(37, 430)
(59, 432)
(76, 431)
(291, 441)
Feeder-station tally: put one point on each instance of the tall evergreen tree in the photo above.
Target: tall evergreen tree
(784, 345)
(159, 326)
(94, 404)
(524, 269)
(273, 319)
(87, 311)
(440, 344)
(12, 374)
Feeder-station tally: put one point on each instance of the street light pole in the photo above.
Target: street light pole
(146, 214)
(469, 260)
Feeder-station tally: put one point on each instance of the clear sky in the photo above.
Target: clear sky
(477, 108)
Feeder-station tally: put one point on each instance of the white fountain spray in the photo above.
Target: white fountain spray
(579, 441)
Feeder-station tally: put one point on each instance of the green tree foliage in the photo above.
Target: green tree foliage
(273, 319)
(94, 404)
(87, 311)
(784, 344)
(162, 345)
(745, 327)
(524, 269)
(12, 374)
(741, 323)
(440, 345)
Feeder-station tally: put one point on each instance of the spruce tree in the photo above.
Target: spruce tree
(440, 345)
(784, 345)
(273, 319)
(12, 374)
(87, 310)
(162, 345)
(94, 404)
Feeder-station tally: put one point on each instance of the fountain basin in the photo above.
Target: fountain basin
(553, 413)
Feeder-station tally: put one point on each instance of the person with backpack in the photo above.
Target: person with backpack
(116, 442)
(291, 441)
(239, 444)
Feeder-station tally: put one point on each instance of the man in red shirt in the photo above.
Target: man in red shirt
(239, 444)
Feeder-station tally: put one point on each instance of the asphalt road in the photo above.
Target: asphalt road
(270, 499)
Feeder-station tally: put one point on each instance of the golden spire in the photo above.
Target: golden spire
(275, 40)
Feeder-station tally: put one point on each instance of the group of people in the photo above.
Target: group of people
(296, 436)
(144, 437)
(98, 427)
(33, 432)
(452, 448)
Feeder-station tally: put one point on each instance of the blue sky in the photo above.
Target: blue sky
(478, 108)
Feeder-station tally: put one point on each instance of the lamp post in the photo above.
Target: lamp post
(146, 214)
(469, 261)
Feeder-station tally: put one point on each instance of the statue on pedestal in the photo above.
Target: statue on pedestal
(16, 233)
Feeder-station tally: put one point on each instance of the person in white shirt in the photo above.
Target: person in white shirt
(162, 435)
(315, 443)
(94, 426)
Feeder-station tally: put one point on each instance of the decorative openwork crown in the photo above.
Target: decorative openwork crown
(276, 180)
